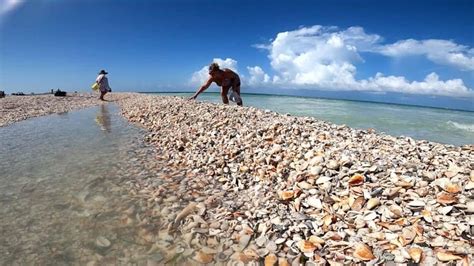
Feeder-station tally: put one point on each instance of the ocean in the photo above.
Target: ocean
(422, 123)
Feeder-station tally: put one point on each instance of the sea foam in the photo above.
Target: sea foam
(466, 127)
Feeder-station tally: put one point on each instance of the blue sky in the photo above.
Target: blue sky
(395, 51)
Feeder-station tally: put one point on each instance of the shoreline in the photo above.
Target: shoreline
(17, 108)
(261, 186)
(256, 186)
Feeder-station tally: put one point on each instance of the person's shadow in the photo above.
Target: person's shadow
(103, 118)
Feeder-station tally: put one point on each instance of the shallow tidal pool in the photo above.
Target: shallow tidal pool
(63, 190)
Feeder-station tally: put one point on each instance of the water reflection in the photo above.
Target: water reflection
(103, 118)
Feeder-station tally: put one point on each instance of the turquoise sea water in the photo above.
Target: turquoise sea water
(439, 125)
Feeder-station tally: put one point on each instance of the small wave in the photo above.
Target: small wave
(467, 127)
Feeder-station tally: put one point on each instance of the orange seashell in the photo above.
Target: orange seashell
(316, 240)
(402, 221)
(415, 254)
(271, 260)
(444, 255)
(446, 198)
(286, 195)
(363, 252)
(203, 257)
(283, 262)
(358, 204)
(356, 180)
(452, 188)
(306, 246)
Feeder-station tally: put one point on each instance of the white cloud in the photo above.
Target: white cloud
(201, 76)
(324, 58)
(442, 52)
(257, 76)
(8, 5)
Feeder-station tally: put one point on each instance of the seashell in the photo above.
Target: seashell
(222, 256)
(363, 252)
(427, 216)
(395, 211)
(283, 262)
(445, 198)
(416, 203)
(271, 260)
(286, 195)
(445, 210)
(261, 241)
(372, 203)
(444, 255)
(243, 241)
(316, 240)
(323, 179)
(252, 254)
(370, 216)
(333, 165)
(415, 254)
(314, 202)
(203, 257)
(280, 240)
(306, 246)
(452, 188)
(470, 207)
(102, 242)
(471, 175)
(356, 180)
(469, 186)
(408, 234)
(392, 191)
(262, 252)
(305, 185)
(271, 246)
(358, 204)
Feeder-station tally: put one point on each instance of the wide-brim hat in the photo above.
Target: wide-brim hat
(103, 72)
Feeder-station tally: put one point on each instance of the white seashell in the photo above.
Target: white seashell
(314, 202)
(416, 203)
(445, 210)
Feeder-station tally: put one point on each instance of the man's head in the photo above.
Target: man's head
(213, 68)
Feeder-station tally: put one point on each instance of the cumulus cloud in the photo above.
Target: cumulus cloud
(325, 58)
(442, 52)
(9, 5)
(257, 76)
(201, 76)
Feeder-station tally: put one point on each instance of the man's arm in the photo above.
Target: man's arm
(203, 88)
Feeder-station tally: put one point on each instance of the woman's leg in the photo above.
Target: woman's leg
(224, 91)
(102, 93)
(237, 90)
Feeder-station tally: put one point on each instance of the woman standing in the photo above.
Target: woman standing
(103, 82)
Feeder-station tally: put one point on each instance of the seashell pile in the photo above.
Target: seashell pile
(255, 186)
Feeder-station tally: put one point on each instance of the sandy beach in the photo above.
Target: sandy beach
(253, 186)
